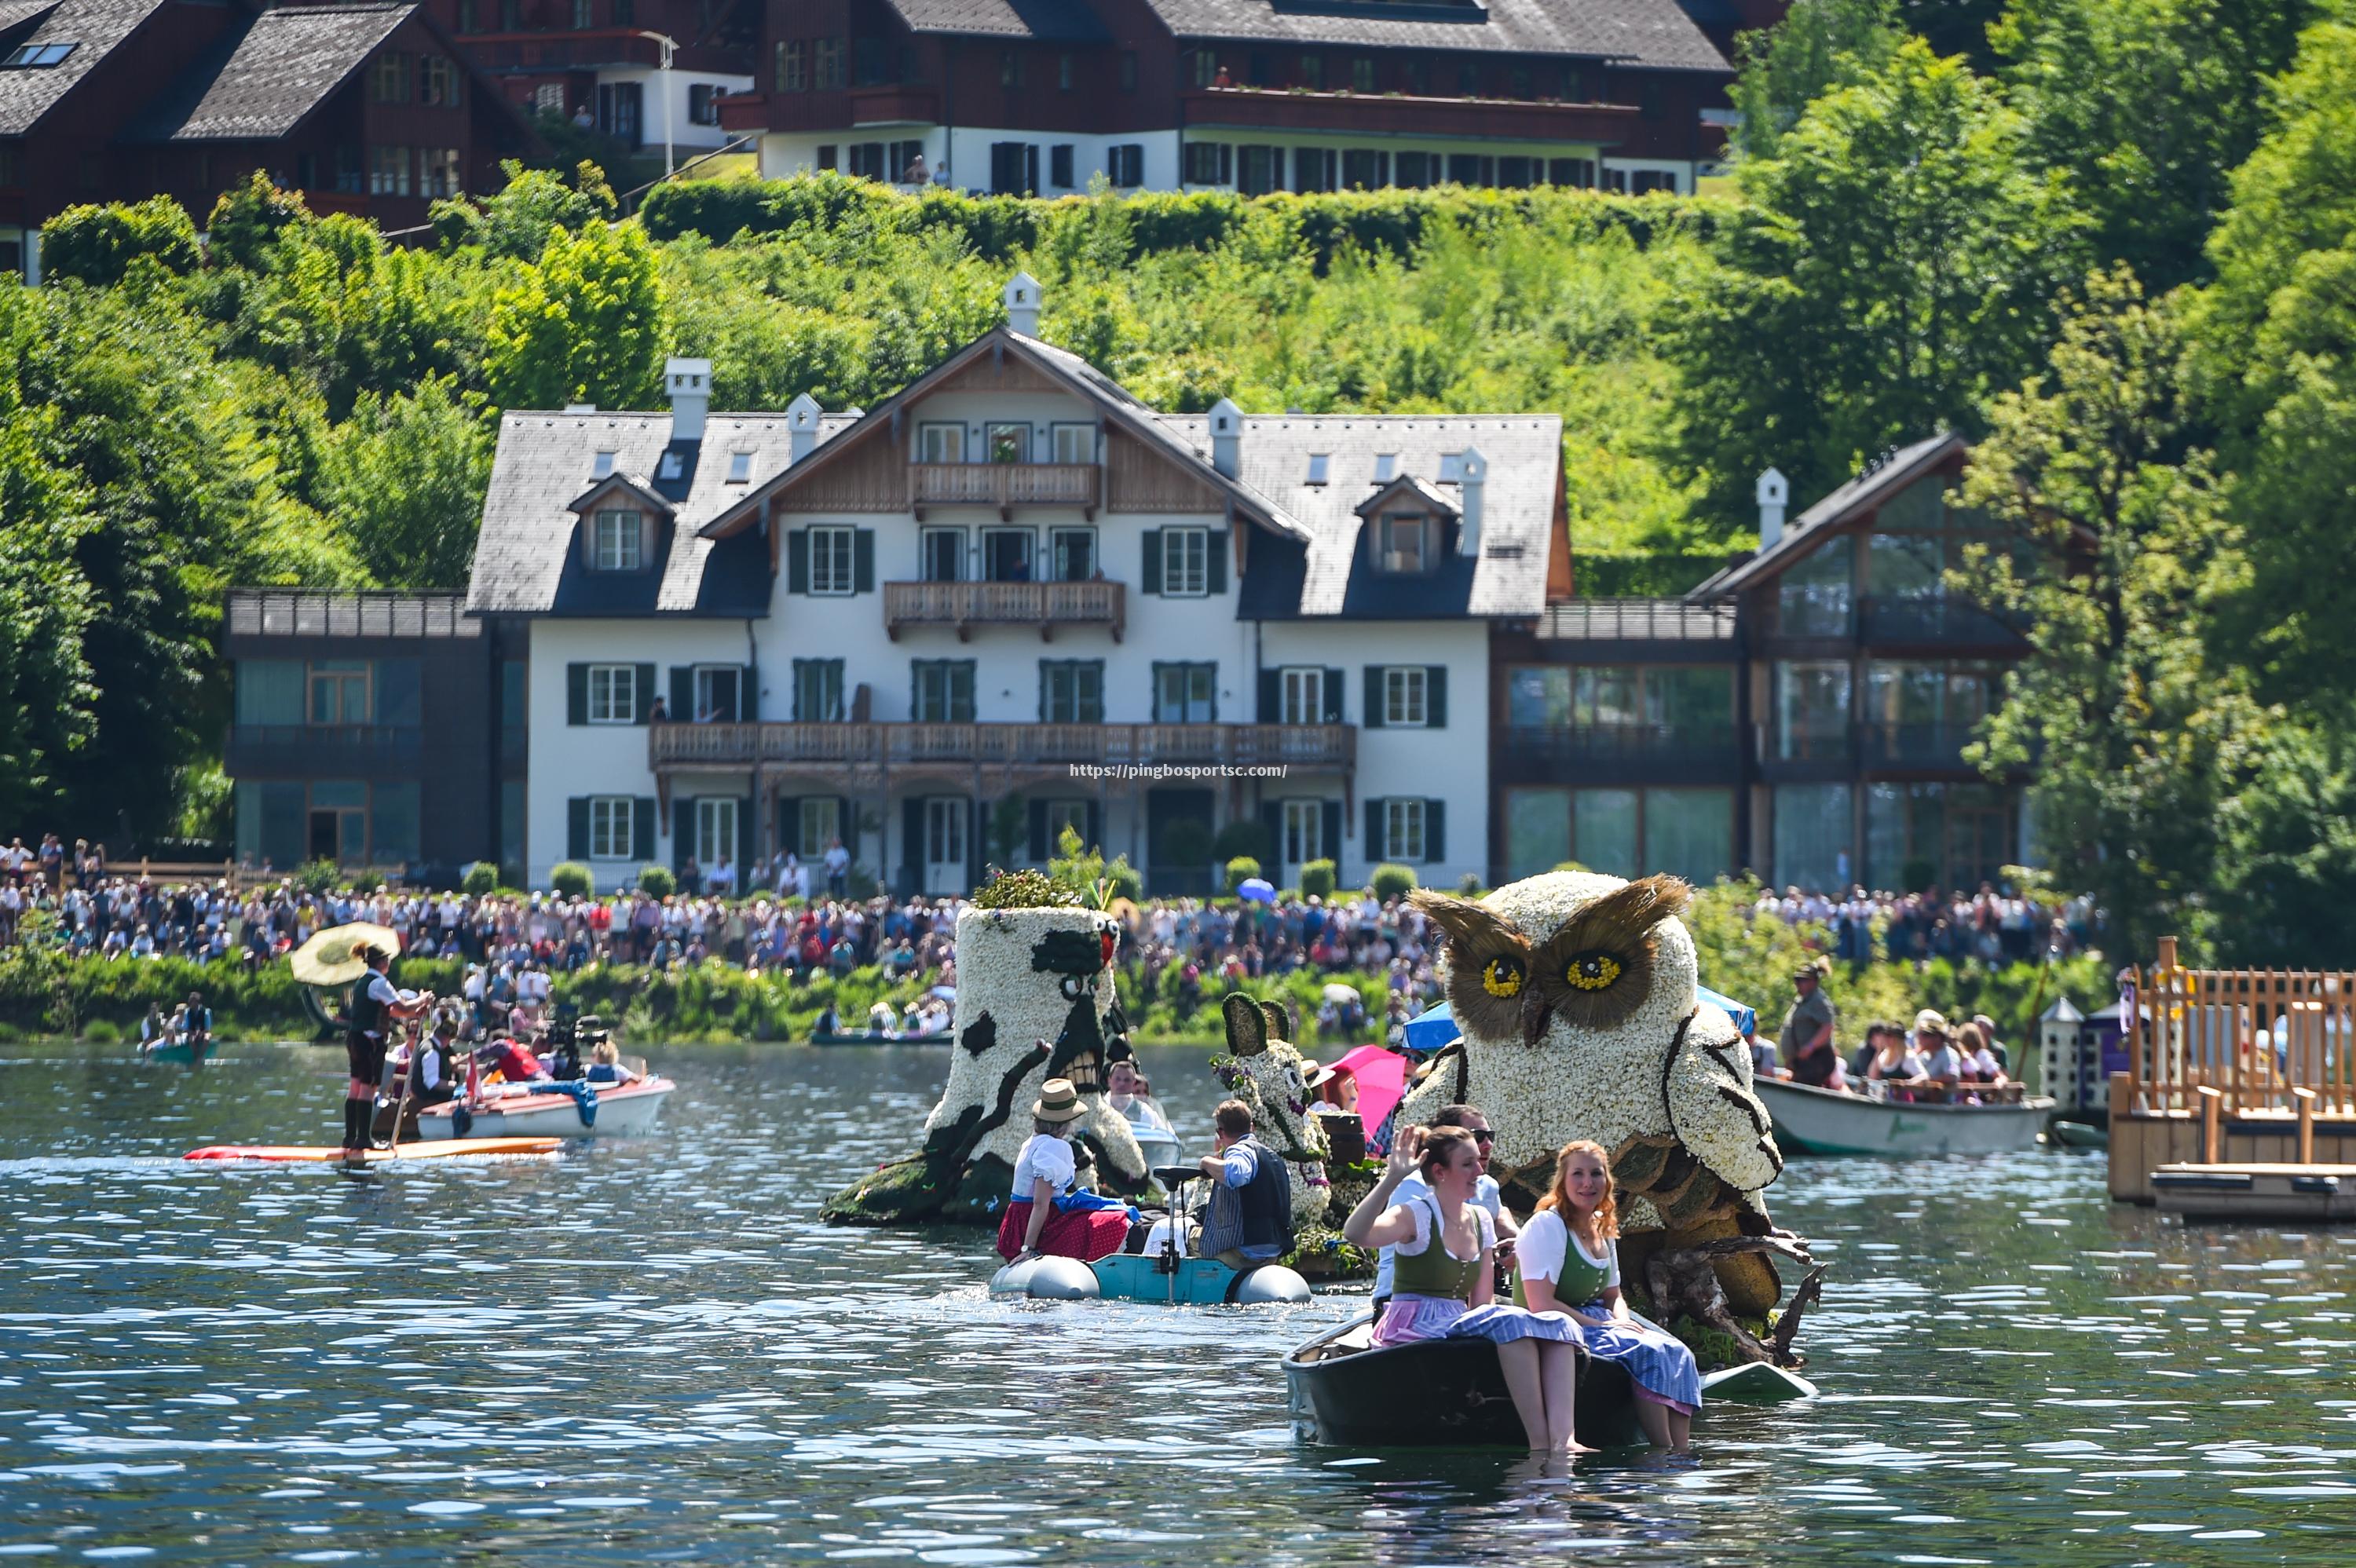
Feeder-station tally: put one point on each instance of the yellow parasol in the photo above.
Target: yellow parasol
(332, 957)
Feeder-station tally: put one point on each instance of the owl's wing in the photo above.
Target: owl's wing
(1712, 1109)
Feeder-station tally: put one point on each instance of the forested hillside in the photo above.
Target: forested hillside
(2110, 238)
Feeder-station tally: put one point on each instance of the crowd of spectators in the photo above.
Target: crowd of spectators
(1991, 925)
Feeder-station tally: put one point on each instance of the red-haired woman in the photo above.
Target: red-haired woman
(1569, 1263)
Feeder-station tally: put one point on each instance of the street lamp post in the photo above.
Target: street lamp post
(669, 47)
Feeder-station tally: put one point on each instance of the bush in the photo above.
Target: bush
(481, 878)
(1241, 870)
(1393, 881)
(248, 220)
(1243, 839)
(100, 1031)
(319, 878)
(1024, 890)
(97, 244)
(571, 879)
(1317, 879)
(657, 882)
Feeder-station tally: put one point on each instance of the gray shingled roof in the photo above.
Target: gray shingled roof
(96, 26)
(543, 466)
(1803, 533)
(1655, 33)
(1049, 19)
(1524, 454)
(282, 68)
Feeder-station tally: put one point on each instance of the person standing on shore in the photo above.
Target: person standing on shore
(375, 1007)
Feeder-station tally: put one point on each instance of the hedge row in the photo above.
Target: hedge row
(997, 228)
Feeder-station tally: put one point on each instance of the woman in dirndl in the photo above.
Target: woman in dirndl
(1034, 1226)
(1570, 1265)
(1443, 1248)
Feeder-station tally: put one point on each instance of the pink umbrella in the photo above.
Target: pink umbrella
(1382, 1081)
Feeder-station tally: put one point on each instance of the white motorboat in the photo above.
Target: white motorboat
(533, 1110)
(1827, 1121)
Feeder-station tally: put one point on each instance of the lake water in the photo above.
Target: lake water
(651, 1351)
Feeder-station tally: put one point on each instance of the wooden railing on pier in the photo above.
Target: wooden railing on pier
(2255, 1035)
(886, 745)
(964, 605)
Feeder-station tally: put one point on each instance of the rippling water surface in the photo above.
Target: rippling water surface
(651, 1351)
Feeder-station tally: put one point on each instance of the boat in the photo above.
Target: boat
(1158, 1272)
(865, 1037)
(1827, 1121)
(181, 1051)
(1342, 1391)
(310, 1154)
(2302, 1192)
(531, 1110)
(1160, 1147)
(2069, 1134)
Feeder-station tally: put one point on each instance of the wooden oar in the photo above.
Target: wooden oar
(408, 1088)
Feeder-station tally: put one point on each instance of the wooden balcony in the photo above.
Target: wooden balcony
(1004, 485)
(965, 605)
(871, 751)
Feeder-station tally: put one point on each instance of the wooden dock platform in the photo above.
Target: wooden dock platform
(2256, 1191)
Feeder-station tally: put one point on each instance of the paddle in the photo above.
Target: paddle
(408, 1087)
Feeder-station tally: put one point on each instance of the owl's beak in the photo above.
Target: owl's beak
(1534, 1014)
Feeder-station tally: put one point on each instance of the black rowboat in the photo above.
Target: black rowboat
(866, 1039)
(1437, 1393)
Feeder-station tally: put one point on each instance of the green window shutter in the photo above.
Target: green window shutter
(682, 838)
(1271, 696)
(1150, 578)
(1333, 695)
(1376, 848)
(1215, 562)
(1153, 695)
(647, 693)
(748, 694)
(1092, 829)
(1271, 817)
(1040, 848)
(576, 694)
(1333, 829)
(642, 828)
(748, 830)
(1435, 696)
(576, 824)
(1046, 679)
(1435, 831)
(962, 692)
(1213, 669)
(797, 560)
(789, 828)
(1372, 717)
(911, 841)
(1092, 691)
(846, 813)
(862, 560)
(683, 693)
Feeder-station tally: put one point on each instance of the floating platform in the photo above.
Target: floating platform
(2301, 1192)
(447, 1149)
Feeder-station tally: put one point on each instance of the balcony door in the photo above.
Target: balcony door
(945, 869)
(1006, 555)
(1304, 837)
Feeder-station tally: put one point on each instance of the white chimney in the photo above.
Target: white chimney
(1228, 438)
(1472, 472)
(1022, 298)
(801, 424)
(1774, 490)
(689, 382)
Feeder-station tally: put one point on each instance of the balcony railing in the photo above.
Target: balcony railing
(1004, 485)
(1625, 745)
(889, 745)
(322, 749)
(272, 613)
(1291, 108)
(1940, 622)
(964, 605)
(1931, 745)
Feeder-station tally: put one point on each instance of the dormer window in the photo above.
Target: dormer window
(1401, 542)
(671, 466)
(1319, 462)
(1452, 468)
(740, 467)
(32, 56)
(616, 541)
(602, 465)
(1386, 467)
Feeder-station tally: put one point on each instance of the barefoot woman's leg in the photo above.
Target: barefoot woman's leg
(1519, 1359)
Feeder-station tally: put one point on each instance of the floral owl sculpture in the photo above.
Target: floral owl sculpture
(1264, 1070)
(1034, 1001)
(1575, 995)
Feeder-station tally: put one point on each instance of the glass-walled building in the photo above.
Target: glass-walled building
(1804, 715)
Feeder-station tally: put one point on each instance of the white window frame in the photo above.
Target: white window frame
(1403, 828)
(1185, 563)
(613, 827)
(711, 812)
(1304, 694)
(1058, 815)
(1065, 707)
(1018, 431)
(704, 674)
(924, 546)
(616, 541)
(1072, 442)
(1391, 526)
(941, 441)
(823, 672)
(840, 557)
(1304, 833)
(817, 822)
(613, 694)
(739, 468)
(1386, 467)
(1321, 465)
(602, 465)
(1185, 672)
(1407, 696)
(1057, 541)
(1030, 538)
(945, 827)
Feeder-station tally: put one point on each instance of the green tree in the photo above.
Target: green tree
(532, 209)
(585, 322)
(2149, 105)
(1894, 268)
(248, 220)
(404, 478)
(97, 244)
(2139, 731)
(1818, 46)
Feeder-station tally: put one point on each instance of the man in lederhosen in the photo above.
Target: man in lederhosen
(374, 1008)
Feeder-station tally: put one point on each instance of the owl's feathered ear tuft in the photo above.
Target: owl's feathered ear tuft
(1488, 965)
(1247, 1025)
(1466, 923)
(1621, 918)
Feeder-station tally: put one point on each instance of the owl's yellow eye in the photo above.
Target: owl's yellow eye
(1501, 978)
(1591, 971)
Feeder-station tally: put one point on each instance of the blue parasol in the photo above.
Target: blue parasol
(1256, 887)
(1745, 1020)
(1431, 1029)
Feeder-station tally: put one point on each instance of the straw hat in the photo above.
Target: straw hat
(1930, 1022)
(1319, 1075)
(1059, 1102)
